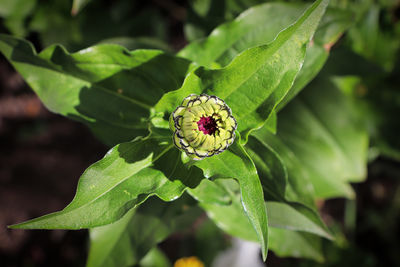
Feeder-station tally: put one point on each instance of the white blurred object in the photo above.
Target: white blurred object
(241, 254)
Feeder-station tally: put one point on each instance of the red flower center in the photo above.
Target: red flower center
(207, 125)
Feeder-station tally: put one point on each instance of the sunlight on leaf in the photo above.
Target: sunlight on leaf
(257, 79)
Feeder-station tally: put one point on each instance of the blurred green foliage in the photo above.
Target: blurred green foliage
(117, 22)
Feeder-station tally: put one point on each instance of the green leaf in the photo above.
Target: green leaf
(271, 122)
(290, 217)
(368, 38)
(15, 13)
(285, 222)
(109, 244)
(257, 79)
(282, 175)
(256, 26)
(132, 43)
(155, 258)
(232, 218)
(299, 171)
(259, 25)
(127, 241)
(105, 86)
(334, 23)
(320, 139)
(282, 182)
(124, 178)
(210, 192)
(286, 243)
(204, 15)
(235, 163)
(333, 121)
(314, 61)
(272, 172)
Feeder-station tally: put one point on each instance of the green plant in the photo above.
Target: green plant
(290, 148)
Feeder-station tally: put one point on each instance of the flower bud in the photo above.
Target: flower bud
(203, 126)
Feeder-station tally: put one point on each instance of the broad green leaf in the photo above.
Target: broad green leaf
(256, 26)
(315, 59)
(289, 182)
(282, 175)
(109, 244)
(210, 192)
(235, 163)
(105, 86)
(331, 118)
(257, 79)
(124, 178)
(286, 243)
(283, 182)
(294, 217)
(272, 172)
(321, 139)
(231, 217)
(300, 172)
(293, 234)
(125, 242)
(334, 23)
(259, 25)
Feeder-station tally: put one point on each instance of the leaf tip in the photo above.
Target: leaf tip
(30, 224)
(16, 226)
(264, 252)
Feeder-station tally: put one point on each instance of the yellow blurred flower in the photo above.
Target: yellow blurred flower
(189, 262)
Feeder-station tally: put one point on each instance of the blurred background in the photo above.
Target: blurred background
(42, 154)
